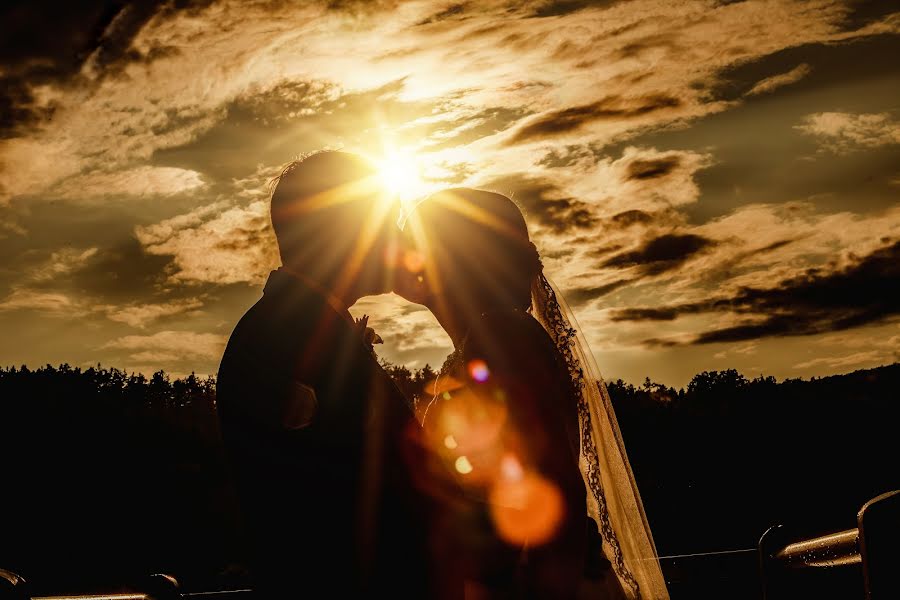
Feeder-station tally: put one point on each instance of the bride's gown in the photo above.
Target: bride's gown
(522, 416)
(504, 416)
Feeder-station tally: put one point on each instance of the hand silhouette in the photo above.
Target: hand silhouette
(368, 334)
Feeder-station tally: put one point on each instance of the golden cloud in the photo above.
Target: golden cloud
(216, 243)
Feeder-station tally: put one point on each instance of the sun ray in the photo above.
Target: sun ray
(379, 211)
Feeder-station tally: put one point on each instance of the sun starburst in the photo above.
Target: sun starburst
(401, 173)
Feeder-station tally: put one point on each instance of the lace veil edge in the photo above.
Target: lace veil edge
(614, 501)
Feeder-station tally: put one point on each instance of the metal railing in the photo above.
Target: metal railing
(874, 545)
(156, 587)
(833, 550)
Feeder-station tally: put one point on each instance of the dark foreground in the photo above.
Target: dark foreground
(109, 477)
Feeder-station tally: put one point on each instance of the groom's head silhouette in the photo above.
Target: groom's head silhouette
(335, 223)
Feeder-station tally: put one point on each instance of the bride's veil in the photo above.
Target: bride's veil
(613, 498)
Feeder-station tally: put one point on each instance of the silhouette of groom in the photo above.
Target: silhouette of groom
(314, 428)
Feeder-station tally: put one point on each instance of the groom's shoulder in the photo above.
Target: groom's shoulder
(277, 351)
(262, 341)
(274, 318)
(302, 336)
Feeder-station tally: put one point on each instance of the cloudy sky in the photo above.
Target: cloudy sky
(712, 184)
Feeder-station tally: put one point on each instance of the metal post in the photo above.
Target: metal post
(778, 559)
(12, 586)
(879, 532)
(769, 572)
(160, 586)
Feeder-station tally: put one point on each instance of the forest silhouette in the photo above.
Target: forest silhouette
(111, 476)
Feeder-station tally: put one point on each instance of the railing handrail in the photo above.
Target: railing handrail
(140, 596)
(873, 545)
(158, 586)
(832, 550)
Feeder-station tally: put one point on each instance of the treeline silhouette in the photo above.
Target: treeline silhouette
(109, 476)
(720, 462)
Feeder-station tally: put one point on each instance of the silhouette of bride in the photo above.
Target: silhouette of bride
(520, 414)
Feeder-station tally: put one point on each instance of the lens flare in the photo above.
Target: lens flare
(474, 421)
(463, 465)
(478, 370)
(526, 510)
(413, 261)
(511, 468)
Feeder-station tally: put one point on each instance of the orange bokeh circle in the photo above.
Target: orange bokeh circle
(528, 509)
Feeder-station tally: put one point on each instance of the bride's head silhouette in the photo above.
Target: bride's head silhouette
(476, 254)
(477, 261)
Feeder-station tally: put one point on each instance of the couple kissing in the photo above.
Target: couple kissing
(513, 482)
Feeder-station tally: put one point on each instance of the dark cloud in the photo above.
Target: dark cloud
(749, 156)
(256, 232)
(598, 251)
(650, 43)
(666, 218)
(361, 7)
(728, 268)
(524, 41)
(866, 292)
(555, 8)
(770, 247)
(118, 271)
(864, 12)
(489, 121)
(480, 32)
(557, 253)
(287, 99)
(609, 108)
(41, 45)
(454, 173)
(652, 168)
(178, 119)
(566, 156)
(631, 217)
(454, 11)
(544, 202)
(124, 272)
(578, 297)
(661, 254)
(293, 118)
(866, 59)
(48, 42)
(123, 276)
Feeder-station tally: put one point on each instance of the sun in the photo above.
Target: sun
(401, 173)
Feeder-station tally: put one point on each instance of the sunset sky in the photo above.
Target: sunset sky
(712, 184)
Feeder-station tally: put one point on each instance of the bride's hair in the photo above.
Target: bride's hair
(480, 244)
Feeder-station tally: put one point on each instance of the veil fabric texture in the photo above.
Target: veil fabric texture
(614, 502)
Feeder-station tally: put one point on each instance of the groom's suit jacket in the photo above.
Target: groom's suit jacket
(315, 432)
